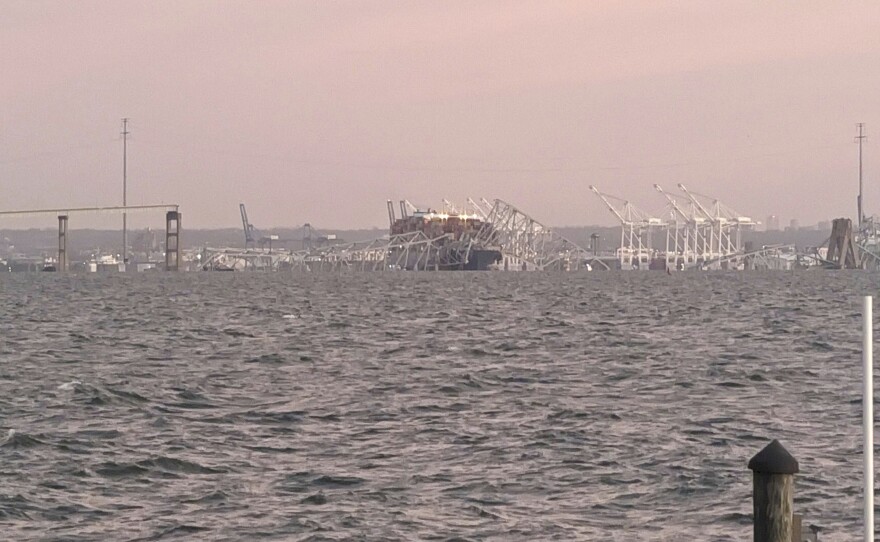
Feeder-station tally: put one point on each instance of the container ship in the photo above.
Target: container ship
(445, 240)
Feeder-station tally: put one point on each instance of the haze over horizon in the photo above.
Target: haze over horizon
(318, 112)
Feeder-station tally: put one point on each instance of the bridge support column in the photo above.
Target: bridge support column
(172, 241)
(62, 243)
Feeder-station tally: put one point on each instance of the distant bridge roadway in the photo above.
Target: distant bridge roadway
(116, 210)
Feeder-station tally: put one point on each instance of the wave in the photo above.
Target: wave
(157, 465)
(16, 441)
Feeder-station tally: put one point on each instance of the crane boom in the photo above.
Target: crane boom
(482, 212)
(608, 204)
(409, 206)
(697, 203)
(673, 203)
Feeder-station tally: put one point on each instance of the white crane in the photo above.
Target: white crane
(637, 228)
(479, 209)
(686, 240)
(725, 240)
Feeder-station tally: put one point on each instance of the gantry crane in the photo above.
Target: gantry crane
(725, 234)
(637, 228)
(250, 233)
(686, 239)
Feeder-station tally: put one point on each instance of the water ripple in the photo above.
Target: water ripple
(405, 406)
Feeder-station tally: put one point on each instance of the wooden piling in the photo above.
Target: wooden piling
(797, 528)
(773, 493)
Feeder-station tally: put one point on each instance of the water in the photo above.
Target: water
(422, 406)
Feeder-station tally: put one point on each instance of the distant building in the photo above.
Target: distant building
(824, 226)
(795, 225)
(772, 223)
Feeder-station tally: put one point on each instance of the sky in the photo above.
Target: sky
(320, 111)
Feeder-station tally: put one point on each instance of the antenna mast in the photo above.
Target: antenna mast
(859, 139)
(125, 133)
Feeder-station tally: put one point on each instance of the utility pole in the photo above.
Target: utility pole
(859, 139)
(125, 133)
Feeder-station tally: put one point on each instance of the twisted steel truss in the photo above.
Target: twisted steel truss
(527, 244)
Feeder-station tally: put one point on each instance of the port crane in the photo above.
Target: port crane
(637, 228)
(725, 233)
(471, 209)
(250, 232)
(480, 210)
(713, 246)
(686, 240)
(253, 236)
(407, 209)
(449, 207)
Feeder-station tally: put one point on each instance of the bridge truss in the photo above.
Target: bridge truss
(527, 244)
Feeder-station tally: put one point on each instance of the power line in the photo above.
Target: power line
(395, 165)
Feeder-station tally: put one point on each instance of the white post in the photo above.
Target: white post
(868, 413)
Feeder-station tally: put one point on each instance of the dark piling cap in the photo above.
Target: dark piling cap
(774, 459)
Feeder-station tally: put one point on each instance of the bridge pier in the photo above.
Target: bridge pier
(62, 243)
(841, 245)
(172, 241)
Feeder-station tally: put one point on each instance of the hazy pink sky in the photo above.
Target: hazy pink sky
(319, 111)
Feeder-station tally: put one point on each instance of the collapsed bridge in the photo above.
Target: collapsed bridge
(479, 236)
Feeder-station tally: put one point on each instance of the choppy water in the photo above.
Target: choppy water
(451, 406)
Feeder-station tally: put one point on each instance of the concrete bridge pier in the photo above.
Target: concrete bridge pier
(172, 241)
(62, 243)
